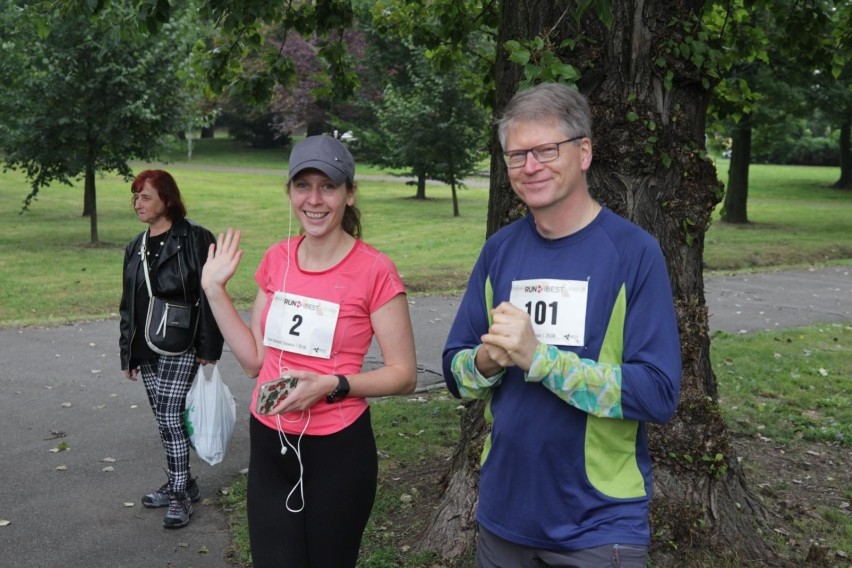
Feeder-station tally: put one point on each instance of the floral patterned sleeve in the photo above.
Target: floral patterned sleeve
(471, 383)
(592, 387)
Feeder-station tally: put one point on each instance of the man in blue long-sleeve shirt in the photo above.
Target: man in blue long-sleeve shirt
(567, 329)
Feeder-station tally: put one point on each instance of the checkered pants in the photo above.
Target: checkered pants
(167, 380)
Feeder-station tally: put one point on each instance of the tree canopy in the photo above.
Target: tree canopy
(429, 126)
(80, 94)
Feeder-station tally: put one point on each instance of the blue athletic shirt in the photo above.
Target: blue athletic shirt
(566, 464)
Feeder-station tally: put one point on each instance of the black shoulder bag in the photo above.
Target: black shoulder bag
(170, 325)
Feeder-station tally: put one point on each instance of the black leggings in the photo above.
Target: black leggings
(340, 476)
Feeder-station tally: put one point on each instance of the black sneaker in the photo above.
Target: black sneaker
(180, 509)
(160, 497)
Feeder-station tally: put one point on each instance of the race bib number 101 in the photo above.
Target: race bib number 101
(557, 309)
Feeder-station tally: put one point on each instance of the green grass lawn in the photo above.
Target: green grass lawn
(795, 218)
(791, 385)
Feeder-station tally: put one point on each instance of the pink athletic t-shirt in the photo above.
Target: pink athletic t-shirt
(360, 284)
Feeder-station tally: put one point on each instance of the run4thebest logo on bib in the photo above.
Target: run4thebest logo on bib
(557, 309)
(300, 324)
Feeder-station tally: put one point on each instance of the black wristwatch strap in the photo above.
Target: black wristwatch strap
(340, 392)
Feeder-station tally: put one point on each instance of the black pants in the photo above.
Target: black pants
(339, 474)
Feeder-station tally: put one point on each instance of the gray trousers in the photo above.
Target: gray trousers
(494, 552)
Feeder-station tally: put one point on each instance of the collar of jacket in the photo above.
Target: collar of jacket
(180, 227)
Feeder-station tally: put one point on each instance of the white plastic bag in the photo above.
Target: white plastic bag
(210, 416)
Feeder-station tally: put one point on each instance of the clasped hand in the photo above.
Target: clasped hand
(510, 340)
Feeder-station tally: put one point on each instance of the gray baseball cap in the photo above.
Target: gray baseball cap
(326, 154)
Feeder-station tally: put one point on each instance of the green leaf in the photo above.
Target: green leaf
(521, 57)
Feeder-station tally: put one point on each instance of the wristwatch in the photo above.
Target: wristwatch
(340, 391)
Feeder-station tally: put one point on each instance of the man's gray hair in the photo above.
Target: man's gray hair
(545, 103)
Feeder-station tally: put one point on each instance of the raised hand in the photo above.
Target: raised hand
(222, 261)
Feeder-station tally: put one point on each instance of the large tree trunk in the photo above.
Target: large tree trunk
(736, 194)
(655, 176)
(845, 181)
(452, 530)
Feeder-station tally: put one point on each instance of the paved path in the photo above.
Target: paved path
(61, 384)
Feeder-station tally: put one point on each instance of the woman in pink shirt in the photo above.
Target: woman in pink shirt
(322, 296)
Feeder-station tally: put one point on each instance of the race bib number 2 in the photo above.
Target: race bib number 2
(299, 324)
(557, 309)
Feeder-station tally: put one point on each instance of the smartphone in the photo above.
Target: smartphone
(273, 391)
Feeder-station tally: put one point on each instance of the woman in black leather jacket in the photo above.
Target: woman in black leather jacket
(176, 251)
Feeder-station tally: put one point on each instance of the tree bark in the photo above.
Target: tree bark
(90, 203)
(845, 181)
(736, 194)
(421, 187)
(88, 196)
(452, 529)
(455, 199)
(653, 171)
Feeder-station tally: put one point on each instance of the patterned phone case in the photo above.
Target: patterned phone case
(273, 391)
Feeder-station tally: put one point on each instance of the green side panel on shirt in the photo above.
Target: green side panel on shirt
(489, 418)
(489, 298)
(611, 444)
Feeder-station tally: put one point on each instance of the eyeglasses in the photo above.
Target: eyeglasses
(543, 153)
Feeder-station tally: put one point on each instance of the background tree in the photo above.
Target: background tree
(295, 107)
(245, 56)
(832, 95)
(787, 56)
(430, 128)
(80, 95)
(305, 104)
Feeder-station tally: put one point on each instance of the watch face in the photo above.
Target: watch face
(340, 391)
